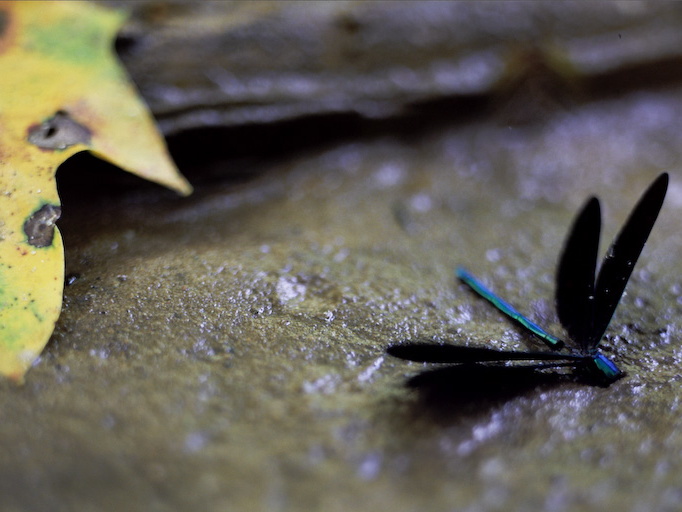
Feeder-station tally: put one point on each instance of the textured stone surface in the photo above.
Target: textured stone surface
(233, 63)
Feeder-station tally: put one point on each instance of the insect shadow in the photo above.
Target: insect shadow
(585, 304)
(454, 391)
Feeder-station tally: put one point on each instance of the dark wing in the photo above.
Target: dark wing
(623, 254)
(438, 353)
(575, 274)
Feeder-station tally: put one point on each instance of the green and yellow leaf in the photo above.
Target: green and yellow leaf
(62, 91)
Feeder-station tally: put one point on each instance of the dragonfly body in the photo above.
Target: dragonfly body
(592, 359)
(508, 309)
(585, 300)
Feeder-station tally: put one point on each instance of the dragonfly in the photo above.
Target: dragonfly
(585, 301)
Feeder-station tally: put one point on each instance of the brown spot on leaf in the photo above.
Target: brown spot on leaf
(3, 22)
(58, 132)
(39, 227)
(6, 32)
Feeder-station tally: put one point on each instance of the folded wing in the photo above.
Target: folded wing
(623, 254)
(575, 301)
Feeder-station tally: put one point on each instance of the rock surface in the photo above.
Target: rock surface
(234, 63)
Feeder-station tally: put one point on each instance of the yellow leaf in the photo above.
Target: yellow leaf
(62, 91)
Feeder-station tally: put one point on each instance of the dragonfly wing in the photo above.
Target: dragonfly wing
(623, 254)
(576, 273)
(441, 353)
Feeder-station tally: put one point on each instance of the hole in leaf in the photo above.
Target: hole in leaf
(58, 132)
(39, 227)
